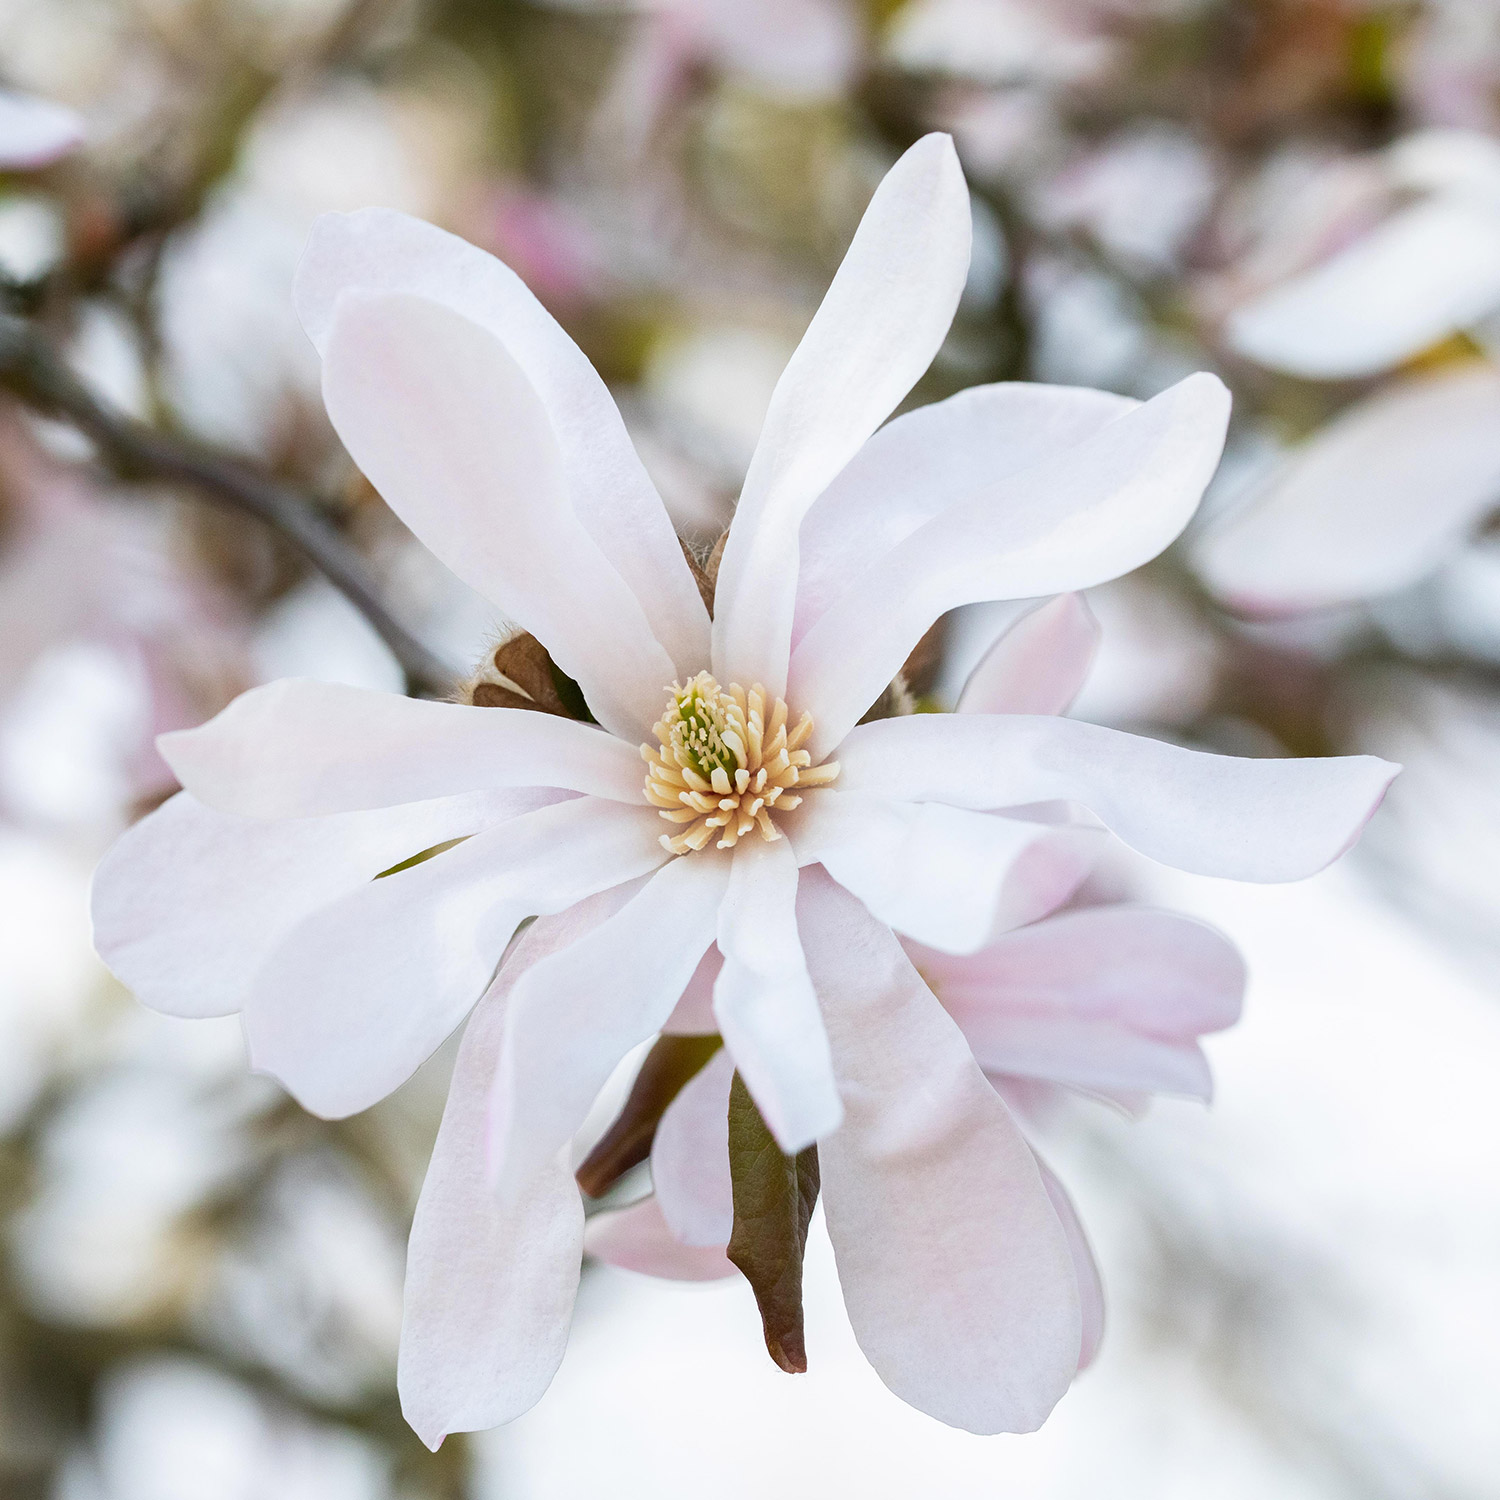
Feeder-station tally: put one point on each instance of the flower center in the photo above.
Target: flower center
(726, 759)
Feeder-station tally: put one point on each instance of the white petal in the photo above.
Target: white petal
(1266, 820)
(1109, 1000)
(489, 1289)
(885, 315)
(577, 1013)
(379, 250)
(35, 132)
(1090, 1284)
(764, 1001)
(1376, 500)
(690, 1157)
(928, 460)
(638, 1239)
(360, 993)
(1038, 665)
(948, 877)
(1092, 512)
(1429, 270)
(302, 749)
(694, 1012)
(956, 1271)
(190, 902)
(1097, 1055)
(446, 425)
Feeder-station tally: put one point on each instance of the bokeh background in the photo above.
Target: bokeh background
(200, 1285)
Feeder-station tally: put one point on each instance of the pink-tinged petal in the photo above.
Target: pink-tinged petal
(1095, 1056)
(1093, 511)
(34, 132)
(1266, 820)
(1085, 1267)
(693, 1014)
(1428, 271)
(489, 1288)
(575, 1014)
(1375, 501)
(189, 903)
(638, 1239)
(379, 250)
(302, 749)
(926, 461)
(956, 1271)
(948, 877)
(359, 994)
(1109, 1000)
(885, 315)
(764, 1001)
(445, 424)
(690, 1158)
(1162, 973)
(1038, 665)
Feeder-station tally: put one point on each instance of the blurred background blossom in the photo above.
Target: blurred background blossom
(200, 1285)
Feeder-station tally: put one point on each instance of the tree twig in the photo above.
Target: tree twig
(31, 369)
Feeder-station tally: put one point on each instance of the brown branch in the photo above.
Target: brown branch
(32, 370)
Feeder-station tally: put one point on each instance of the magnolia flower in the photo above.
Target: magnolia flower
(1428, 269)
(1379, 499)
(488, 432)
(1393, 488)
(34, 132)
(1108, 1002)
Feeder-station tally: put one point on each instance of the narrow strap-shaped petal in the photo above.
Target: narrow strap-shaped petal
(380, 250)
(445, 424)
(1160, 972)
(948, 877)
(1267, 820)
(1376, 500)
(694, 1012)
(957, 1273)
(1109, 1000)
(1039, 664)
(1427, 271)
(1098, 1056)
(926, 461)
(764, 1001)
(575, 1014)
(690, 1158)
(1085, 1267)
(885, 315)
(302, 749)
(189, 903)
(489, 1288)
(359, 994)
(638, 1239)
(1091, 513)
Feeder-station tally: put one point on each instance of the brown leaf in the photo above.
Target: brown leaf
(495, 695)
(774, 1196)
(525, 661)
(667, 1068)
(921, 668)
(700, 576)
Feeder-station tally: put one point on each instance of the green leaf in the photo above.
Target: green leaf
(670, 1063)
(774, 1196)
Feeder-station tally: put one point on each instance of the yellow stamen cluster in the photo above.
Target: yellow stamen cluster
(725, 762)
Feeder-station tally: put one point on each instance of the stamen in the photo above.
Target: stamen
(726, 760)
